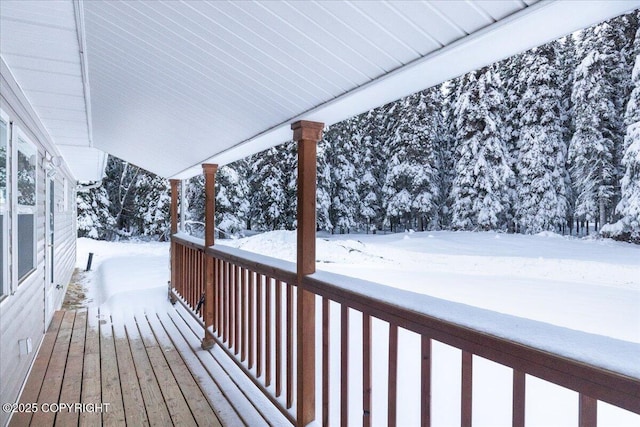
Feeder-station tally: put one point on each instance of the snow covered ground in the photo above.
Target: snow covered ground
(590, 287)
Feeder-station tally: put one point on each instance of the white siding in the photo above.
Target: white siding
(22, 311)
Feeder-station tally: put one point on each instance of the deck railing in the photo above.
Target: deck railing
(254, 319)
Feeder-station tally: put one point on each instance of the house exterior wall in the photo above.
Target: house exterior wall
(27, 306)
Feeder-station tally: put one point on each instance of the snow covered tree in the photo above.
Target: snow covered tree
(194, 215)
(343, 140)
(323, 189)
(371, 169)
(597, 124)
(542, 194)
(272, 188)
(480, 187)
(232, 204)
(412, 181)
(94, 219)
(629, 206)
(151, 205)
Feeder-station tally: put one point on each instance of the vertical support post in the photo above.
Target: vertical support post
(173, 212)
(306, 134)
(209, 230)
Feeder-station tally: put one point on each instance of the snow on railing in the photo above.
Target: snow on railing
(254, 321)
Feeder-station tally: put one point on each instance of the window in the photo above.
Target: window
(26, 180)
(4, 144)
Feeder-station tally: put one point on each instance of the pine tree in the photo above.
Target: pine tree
(542, 195)
(597, 124)
(629, 205)
(343, 139)
(412, 180)
(232, 205)
(323, 189)
(94, 219)
(480, 187)
(194, 209)
(272, 188)
(371, 169)
(151, 205)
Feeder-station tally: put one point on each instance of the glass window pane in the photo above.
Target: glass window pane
(27, 159)
(3, 165)
(26, 241)
(2, 253)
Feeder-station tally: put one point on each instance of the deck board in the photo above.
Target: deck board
(111, 391)
(202, 411)
(148, 367)
(176, 403)
(157, 411)
(135, 413)
(72, 381)
(52, 384)
(38, 371)
(91, 386)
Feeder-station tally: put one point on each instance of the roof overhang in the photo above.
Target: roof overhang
(43, 67)
(174, 85)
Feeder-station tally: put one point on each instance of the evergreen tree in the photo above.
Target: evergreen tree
(323, 189)
(151, 205)
(94, 218)
(480, 187)
(343, 139)
(272, 187)
(542, 195)
(629, 205)
(597, 124)
(412, 180)
(232, 203)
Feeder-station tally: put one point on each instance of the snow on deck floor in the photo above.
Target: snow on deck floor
(591, 286)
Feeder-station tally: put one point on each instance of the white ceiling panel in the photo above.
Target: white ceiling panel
(41, 46)
(173, 84)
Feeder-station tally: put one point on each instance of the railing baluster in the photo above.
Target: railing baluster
(326, 323)
(393, 375)
(244, 320)
(290, 332)
(344, 365)
(519, 390)
(588, 416)
(214, 303)
(425, 385)
(366, 370)
(259, 321)
(232, 305)
(267, 325)
(467, 388)
(278, 337)
(225, 307)
(251, 319)
(236, 310)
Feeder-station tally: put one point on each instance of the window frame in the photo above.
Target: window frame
(5, 285)
(18, 135)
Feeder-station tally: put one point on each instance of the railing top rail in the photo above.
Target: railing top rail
(536, 350)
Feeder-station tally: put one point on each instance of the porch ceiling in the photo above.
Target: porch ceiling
(175, 84)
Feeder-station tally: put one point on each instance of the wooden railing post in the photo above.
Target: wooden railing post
(173, 212)
(209, 231)
(306, 134)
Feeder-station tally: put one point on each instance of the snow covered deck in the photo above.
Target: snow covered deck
(145, 368)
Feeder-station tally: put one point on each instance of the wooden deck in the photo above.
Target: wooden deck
(138, 369)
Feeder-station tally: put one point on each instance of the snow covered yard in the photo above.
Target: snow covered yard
(588, 287)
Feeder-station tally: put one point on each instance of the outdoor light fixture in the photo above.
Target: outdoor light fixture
(51, 164)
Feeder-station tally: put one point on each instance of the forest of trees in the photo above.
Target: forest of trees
(547, 140)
